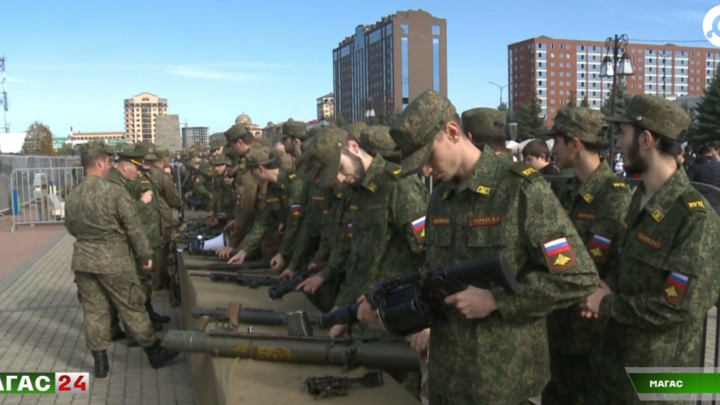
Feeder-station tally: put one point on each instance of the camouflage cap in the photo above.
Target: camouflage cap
(415, 129)
(583, 123)
(94, 148)
(239, 131)
(478, 120)
(259, 155)
(355, 129)
(131, 155)
(656, 114)
(148, 149)
(296, 129)
(376, 139)
(231, 156)
(216, 144)
(323, 155)
(220, 159)
(162, 152)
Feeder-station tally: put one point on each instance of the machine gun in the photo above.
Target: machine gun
(247, 281)
(409, 304)
(229, 267)
(278, 291)
(329, 385)
(395, 355)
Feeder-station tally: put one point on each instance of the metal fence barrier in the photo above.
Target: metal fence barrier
(38, 194)
(8, 163)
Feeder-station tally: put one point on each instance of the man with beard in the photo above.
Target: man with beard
(596, 201)
(387, 225)
(666, 278)
(492, 348)
(286, 195)
(707, 170)
(293, 134)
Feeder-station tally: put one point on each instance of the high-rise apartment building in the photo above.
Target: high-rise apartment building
(192, 136)
(384, 66)
(558, 69)
(140, 113)
(326, 107)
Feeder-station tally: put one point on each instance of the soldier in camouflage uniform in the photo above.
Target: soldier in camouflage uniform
(666, 277)
(198, 193)
(293, 134)
(493, 347)
(102, 217)
(223, 202)
(596, 201)
(284, 209)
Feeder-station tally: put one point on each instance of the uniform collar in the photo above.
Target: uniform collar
(483, 179)
(660, 203)
(593, 187)
(373, 173)
(116, 177)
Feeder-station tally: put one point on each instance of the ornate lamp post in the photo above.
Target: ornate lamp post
(613, 67)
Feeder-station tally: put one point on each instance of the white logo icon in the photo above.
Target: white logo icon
(711, 26)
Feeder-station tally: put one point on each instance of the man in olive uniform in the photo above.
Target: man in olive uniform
(666, 276)
(285, 197)
(169, 199)
(199, 194)
(293, 134)
(223, 201)
(216, 148)
(493, 348)
(102, 217)
(596, 201)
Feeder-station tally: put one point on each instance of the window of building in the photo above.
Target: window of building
(540, 74)
(562, 74)
(405, 68)
(404, 28)
(436, 29)
(540, 64)
(552, 92)
(552, 101)
(552, 83)
(552, 54)
(436, 64)
(540, 92)
(552, 110)
(552, 46)
(540, 83)
(552, 73)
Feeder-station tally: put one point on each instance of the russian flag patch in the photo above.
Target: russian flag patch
(418, 228)
(348, 231)
(599, 248)
(559, 255)
(675, 288)
(296, 210)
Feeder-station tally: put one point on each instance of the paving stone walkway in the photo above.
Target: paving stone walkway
(41, 330)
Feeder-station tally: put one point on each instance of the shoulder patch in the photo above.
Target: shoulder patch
(393, 168)
(292, 176)
(525, 171)
(693, 201)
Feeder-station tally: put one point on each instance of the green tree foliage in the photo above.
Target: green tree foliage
(503, 106)
(585, 102)
(572, 102)
(340, 120)
(38, 140)
(530, 120)
(707, 126)
(621, 99)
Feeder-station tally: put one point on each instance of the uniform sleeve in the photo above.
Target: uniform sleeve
(171, 193)
(212, 207)
(558, 271)
(296, 197)
(200, 189)
(608, 225)
(245, 195)
(408, 207)
(693, 262)
(264, 221)
(302, 245)
(131, 222)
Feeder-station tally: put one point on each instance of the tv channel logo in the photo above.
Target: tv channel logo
(711, 26)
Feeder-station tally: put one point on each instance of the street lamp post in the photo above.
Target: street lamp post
(614, 67)
(501, 89)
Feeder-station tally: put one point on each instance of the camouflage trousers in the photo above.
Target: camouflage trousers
(570, 374)
(161, 264)
(99, 293)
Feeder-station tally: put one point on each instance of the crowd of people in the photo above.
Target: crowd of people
(607, 278)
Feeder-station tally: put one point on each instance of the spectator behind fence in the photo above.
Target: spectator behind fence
(689, 157)
(706, 169)
(536, 155)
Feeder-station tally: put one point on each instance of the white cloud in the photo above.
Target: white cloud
(214, 74)
(11, 79)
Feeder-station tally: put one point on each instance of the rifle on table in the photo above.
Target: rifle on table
(396, 355)
(329, 385)
(278, 291)
(236, 314)
(409, 304)
(229, 267)
(247, 281)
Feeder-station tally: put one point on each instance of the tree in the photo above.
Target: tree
(708, 115)
(65, 149)
(503, 106)
(340, 120)
(38, 140)
(572, 102)
(530, 120)
(621, 100)
(585, 102)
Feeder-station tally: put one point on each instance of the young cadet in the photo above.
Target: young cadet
(285, 197)
(596, 201)
(666, 276)
(492, 348)
(223, 201)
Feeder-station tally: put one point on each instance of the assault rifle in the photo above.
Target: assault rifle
(236, 314)
(229, 267)
(278, 291)
(247, 281)
(409, 304)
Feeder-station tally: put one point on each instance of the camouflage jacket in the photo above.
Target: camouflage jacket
(108, 234)
(149, 214)
(664, 281)
(387, 230)
(284, 205)
(336, 234)
(168, 197)
(223, 197)
(507, 208)
(597, 209)
(309, 235)
(249, 201)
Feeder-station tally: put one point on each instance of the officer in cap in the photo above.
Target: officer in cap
(667, 275)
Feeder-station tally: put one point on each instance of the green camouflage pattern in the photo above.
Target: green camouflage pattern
(323, 155)
(479, 120)
(162, 152)
(249, 200)
(224, 201)
(260, 155)
(507, 208)
(384, 244)
(168, 198)
(148, 149)
(583, 123)
(376, 139)
(354, 129)
(239, 131)
(216, 144)
(650, 322)
(284, 204)
(415, 129)
(296, 129)
(221, 159)
(595, 208)
(94, 148)
(657, 114)
(308, 239)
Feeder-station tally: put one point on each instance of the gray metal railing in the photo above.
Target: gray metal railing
(8, 163)
(38, 194)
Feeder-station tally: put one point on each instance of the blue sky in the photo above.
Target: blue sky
(71, 63)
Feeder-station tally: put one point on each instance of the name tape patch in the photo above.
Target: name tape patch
(440, 220)
(648, 240)
(485, 220)
(586, 216)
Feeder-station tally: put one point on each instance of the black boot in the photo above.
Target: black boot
(159, 355)
(101, 366)
(154, 316)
